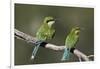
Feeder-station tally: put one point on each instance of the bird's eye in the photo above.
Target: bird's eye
(50, 20)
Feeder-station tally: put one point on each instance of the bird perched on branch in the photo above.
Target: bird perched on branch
(70, 42)
(45, 32)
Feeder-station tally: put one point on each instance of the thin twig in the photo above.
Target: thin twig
(31, 39)
(81, 55)
(90, 56)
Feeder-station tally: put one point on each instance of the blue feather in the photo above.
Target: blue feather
(66, 55)
(35, 51)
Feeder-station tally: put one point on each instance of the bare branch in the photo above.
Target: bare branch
(81, 55)
(25, 37)
(90, 56)
(54, 47)
(31, 39)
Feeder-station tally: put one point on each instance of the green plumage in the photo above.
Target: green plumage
(70, 42)
(72, 38)
(45, 32)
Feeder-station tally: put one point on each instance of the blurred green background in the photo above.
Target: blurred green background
(28, 19)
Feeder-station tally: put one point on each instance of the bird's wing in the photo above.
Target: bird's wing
(42, 33)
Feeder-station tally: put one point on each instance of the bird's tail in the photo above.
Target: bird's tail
(35, 51)
(66, 55)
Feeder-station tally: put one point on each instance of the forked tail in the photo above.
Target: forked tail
(35, 51)
(66, 55)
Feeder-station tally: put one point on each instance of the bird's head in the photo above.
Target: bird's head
(75, 31)
(49, 20)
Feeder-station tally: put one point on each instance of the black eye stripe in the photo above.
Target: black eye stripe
(77, 28)
(50, 20)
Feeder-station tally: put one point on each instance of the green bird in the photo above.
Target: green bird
(70, 42)
(45, 32)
